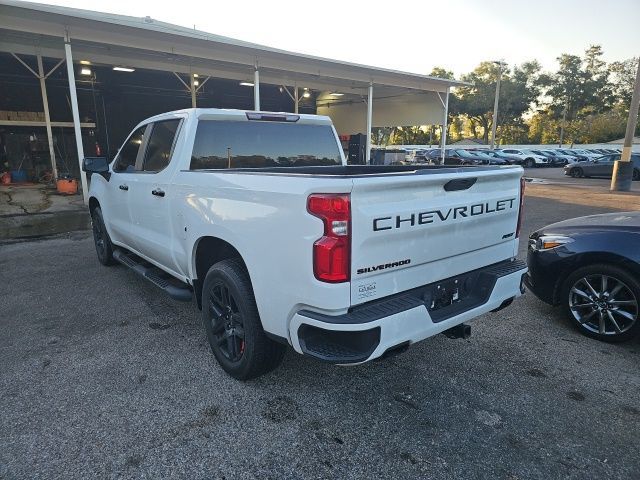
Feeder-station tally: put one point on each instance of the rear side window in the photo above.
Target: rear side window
(128, 154)
(160, 145)
(255, 144)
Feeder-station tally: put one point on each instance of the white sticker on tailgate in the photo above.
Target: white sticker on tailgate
(367, 290)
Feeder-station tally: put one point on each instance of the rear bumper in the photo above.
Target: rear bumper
(367, 331)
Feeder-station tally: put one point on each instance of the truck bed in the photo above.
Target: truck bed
(360, 170)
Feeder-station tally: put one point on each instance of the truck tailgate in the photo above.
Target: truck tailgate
(411, 230)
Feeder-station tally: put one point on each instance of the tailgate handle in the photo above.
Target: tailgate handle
(459, 184)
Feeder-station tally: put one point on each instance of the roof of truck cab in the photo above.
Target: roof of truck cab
(236, 115)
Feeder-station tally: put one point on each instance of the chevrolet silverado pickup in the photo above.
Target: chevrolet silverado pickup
(258, 216)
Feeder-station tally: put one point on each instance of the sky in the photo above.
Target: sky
(412, 36)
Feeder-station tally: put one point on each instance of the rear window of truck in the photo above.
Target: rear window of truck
(221, 144)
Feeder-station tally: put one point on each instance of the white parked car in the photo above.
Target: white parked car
(527, 158)
(257, 215)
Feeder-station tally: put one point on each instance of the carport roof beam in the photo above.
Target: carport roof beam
(76, 118)
(40, 75)
(47, 117)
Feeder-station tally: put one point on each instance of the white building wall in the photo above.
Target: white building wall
(349, 114)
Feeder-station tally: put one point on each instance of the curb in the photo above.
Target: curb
(43, 224)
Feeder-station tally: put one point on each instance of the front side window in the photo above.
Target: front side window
(221, 144)
(160, 145)
(126, 159)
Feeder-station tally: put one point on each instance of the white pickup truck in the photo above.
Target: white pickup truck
(259, 217)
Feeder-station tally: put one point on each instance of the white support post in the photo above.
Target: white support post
(76, 117)
(296, 100)
(47, 118)
(256, 89)
(192, 88)
(369, 122)
(444, 125)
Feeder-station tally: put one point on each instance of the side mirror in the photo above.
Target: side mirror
(95, 165)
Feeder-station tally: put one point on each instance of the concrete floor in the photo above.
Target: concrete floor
(34, 210)
(104, 376)
(35, 198)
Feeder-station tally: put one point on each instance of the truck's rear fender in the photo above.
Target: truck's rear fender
(98, 197)
(207, 251)
(264, 219)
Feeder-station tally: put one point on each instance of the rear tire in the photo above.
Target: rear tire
(577, 172)
(101, 239)
(606, 310)
(233, 325)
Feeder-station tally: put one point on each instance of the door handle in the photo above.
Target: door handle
(123, 187)
(157, 192)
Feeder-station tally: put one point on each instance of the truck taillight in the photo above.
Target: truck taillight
(521, 209)
(332, 252)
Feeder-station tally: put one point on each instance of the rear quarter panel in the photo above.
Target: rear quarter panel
(265, 218)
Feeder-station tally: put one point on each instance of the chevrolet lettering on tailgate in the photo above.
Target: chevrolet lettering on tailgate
(422, 218)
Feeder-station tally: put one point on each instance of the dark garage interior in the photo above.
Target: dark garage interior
(115, 101)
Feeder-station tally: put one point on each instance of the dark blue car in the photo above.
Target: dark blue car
(590, 266)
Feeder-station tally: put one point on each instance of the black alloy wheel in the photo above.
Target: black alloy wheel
(226, 321)
(232, 323)
(104, 248)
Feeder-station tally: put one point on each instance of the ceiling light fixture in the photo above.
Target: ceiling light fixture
(336, 94)
(124, 69)
(246, 84)
(196, 83)
(306, 94)
(85, 71)
(85, 62)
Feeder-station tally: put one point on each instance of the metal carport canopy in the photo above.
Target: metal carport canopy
(103, 38)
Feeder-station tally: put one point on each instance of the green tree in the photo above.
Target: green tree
(519, 91)
(623, 76)
(567, 86)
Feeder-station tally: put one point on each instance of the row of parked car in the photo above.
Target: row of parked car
(505, 156)
(578, 163)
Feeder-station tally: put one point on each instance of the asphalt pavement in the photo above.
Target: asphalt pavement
(102, 376)
(556, 175)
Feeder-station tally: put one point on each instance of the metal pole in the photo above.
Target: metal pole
(564, 121)
(623, 168)
(192, 87)
(47, 118)
(444, 125)
(495, 109)
(76, 117)
(296, 99)
(369, 121)
(256, 89)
